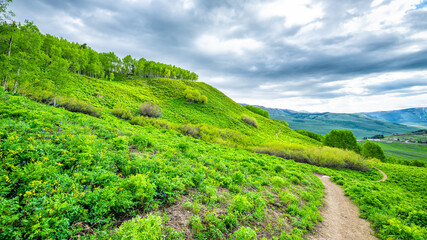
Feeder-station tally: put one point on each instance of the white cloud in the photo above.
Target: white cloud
(298, 12)
(212, 45)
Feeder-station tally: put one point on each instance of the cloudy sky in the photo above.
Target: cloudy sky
(324, 55)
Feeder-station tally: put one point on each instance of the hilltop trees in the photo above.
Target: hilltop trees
(27, 56)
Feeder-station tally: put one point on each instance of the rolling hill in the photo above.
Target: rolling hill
(416, 117)
(322, 123)
(81, 159)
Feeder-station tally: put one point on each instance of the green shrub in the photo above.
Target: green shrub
(309, 134)
(319, 156)
(343, 139)
(238, 177)
(241, 204)
(193, 95)
(372, 150)
(148, 228)
(278, 182)
(76, 105)
(250, 120)
(122, 113)
(150, 109)
(196, 224)
(245, 233)
(141, 188)
(191, 130)
(257, 110)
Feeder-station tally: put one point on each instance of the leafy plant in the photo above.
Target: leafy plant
(250, 120)
(150, 109)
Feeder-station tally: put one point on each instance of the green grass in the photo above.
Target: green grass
(66, 174)
(405, 151)
(396, 207)
(219, 113)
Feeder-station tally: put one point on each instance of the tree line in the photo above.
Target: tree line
(28, 56)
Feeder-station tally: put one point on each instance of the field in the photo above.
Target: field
(70, 175)
(405, 151)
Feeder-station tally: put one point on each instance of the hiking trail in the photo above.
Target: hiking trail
(340, 216)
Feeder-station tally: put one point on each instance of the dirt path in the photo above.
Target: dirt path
(340, 216)
(384, 175)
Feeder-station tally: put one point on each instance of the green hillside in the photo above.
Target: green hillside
(70, 175)
(79, 158)
(405, 151)
(323, 123)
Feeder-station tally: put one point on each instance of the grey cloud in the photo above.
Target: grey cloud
(164, 31)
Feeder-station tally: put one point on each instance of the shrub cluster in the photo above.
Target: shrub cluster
(309, 134)
(150, 109)
(319, 156)
(193, 95)
(76, 105)
(122, 113)
(343, 139)
(257, 110)
(250, 120)
(372, 150)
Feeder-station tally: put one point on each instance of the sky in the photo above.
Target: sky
(318, 56)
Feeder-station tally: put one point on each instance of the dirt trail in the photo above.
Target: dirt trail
(384, 175)
(340, 216)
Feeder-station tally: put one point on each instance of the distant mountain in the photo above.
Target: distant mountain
(321, 123)
(412, 116)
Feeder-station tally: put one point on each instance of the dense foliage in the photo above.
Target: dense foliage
(312, 135)
(343, 139)
(250, 120)
(194, 96)
(372, 150)
(257, 110)
(69, 175)
(149, 109)
(31, 58)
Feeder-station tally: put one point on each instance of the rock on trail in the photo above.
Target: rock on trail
(340, 217)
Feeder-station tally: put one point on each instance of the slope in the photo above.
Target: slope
(322, 123)
(70, 175)
(411, 116)
(218, 120)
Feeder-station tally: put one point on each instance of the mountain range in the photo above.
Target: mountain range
(361, 124)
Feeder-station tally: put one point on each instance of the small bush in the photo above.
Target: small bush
(190, 130)
(372, 150)
(238, 177)
(141, 188)
(245, 233)
(150, 109)
(241, 204)
(122, 113)
(75, 105)
(141, 228)
(193, 95)
(250, 120)
(196, 224)
(258, 110)
(278, 182)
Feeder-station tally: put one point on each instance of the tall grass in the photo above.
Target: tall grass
(319, 156)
